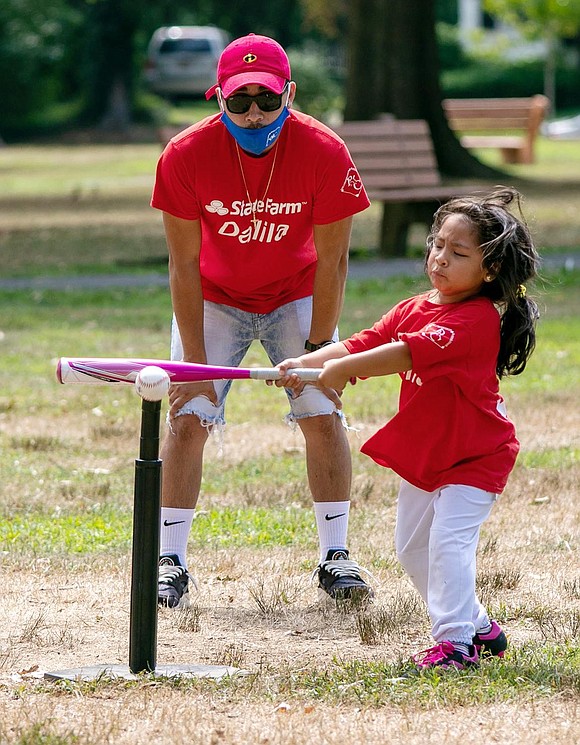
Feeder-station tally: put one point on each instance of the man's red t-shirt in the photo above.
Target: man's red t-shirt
(307, 179)
(451, 427)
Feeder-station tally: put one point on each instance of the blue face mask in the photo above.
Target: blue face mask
(255, 141)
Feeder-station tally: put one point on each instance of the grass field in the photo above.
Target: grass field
(314, 675)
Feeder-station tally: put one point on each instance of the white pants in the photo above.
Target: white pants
(436, 540)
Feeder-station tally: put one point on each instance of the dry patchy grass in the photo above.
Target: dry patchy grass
(257, 611)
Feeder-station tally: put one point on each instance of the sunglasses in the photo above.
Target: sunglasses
(239, 103)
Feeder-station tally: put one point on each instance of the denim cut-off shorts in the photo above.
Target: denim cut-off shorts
(228, 334)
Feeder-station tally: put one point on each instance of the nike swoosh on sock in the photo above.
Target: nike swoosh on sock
(167, 523)
(333, 517)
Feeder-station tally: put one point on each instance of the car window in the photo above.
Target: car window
(170, 46)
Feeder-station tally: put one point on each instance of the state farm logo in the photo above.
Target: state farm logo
(269, 206)
(217, 207)
(352, 183)
(440, 335)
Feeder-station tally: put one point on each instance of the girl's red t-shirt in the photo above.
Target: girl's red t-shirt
(452, 425)
(307, 179)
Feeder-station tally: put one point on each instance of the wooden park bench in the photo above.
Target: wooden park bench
(508, 124)
(397, 164)
(396, 161)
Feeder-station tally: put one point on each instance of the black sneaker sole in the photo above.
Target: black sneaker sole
(352, 597)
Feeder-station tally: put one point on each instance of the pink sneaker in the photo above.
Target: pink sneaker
(493, 643)
(444, 655)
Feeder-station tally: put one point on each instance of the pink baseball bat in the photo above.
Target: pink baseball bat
(124, 370)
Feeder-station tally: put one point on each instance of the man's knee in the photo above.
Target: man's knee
(187, 428)
(327, 426)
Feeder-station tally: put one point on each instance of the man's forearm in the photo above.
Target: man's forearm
(332, 242)
(187, 300)
(327, 300)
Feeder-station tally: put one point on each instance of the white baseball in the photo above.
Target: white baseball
(152, 383)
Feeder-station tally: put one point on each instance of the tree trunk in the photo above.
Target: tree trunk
(366, 60)
(117, 116)
(393, 46)
(111, 29)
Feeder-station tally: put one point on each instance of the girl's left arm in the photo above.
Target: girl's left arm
(383, 360)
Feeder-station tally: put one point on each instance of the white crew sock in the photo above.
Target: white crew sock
(332, 524)
(175, 528)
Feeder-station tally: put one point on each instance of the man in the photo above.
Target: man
(257, 206)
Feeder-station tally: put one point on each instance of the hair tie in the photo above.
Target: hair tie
(521, 291)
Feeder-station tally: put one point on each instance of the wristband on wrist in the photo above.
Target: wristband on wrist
(310, 347)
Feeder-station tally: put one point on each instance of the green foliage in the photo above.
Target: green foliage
(451, 54)
(318, 92)
(496, 79)
(33, 56)
(550, 21)
(447, 11)
(538, 19)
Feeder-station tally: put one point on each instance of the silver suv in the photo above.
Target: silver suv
(182, 60)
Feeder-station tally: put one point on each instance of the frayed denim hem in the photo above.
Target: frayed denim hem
(292, 419)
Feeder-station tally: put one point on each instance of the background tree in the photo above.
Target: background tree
(33, 55)
(281, 19)
(394, 69)
(548, 20)
(109, 32)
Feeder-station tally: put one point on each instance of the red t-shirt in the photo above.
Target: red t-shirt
(312, 181)
(451, 427)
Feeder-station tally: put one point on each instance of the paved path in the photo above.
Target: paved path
(371, 269)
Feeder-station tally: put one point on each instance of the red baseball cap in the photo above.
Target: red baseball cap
(251, 60)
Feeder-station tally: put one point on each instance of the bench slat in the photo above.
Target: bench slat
(401, 178)
(470, 141)
(382, 126)
(440, 193)
(394, 161)
(480, 121)
(514, 115)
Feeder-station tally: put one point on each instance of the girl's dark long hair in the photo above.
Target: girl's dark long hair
(509, 255)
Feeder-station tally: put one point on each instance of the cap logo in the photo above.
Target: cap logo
(249, 58)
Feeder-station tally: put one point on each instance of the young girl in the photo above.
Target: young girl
(451, 440)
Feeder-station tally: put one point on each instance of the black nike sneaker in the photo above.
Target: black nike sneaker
(173, 583)
(339, 578)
